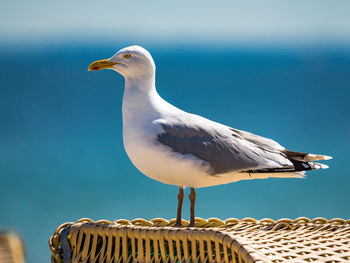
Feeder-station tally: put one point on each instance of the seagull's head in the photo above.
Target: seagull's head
(130, 62)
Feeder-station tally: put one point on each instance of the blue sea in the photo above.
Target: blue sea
(61, 151)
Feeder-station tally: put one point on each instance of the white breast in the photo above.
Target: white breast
(140, 131)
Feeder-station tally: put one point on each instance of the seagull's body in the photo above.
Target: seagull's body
(144, 127)
(183, 149)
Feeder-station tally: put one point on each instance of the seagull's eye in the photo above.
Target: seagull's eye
(127, 56)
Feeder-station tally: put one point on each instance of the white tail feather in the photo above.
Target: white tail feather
(314, 157)
(250, 176)
(318, 166)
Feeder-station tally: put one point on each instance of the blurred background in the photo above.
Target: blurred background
(280, 69)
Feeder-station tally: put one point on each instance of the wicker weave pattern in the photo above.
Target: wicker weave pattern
(213, 240)
(301, 240)
(11, 248)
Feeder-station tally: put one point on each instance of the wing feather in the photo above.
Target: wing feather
(224, 148)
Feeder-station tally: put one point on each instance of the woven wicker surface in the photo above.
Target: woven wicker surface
(212, 240)
(11, 248)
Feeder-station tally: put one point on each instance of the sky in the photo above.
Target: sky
(225, 21)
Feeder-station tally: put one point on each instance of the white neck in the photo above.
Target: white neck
(142, 103)
(143, 83)
(140, 97)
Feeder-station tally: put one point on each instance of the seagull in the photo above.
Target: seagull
(178, 148)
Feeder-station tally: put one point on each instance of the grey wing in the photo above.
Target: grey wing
(224, 148)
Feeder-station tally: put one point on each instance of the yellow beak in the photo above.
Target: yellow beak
(101, 64)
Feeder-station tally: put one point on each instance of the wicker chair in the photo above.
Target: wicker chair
(11, 248)
(212, 240)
